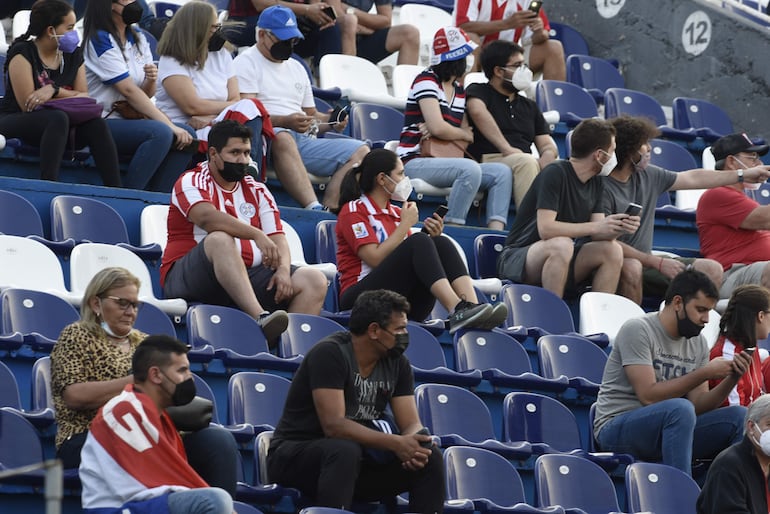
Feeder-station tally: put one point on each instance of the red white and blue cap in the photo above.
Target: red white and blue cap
(450, 44)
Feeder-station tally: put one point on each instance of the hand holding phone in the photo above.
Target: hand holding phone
(633, 209)
(338, 115)
(425, 444)
(535, 6)
(441, 211)
(330, 12)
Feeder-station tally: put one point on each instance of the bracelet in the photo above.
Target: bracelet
(660, 264)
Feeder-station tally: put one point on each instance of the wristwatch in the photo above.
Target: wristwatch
(740, 176)
(350, 10)
(55, 91)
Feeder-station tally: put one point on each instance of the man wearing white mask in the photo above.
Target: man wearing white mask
(732, 226)
(561, 239)
(635, 180)
(505, 123)
(737, 479)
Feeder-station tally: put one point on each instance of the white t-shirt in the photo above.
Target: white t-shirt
(210, 83)
(106, 65)
(282, 87)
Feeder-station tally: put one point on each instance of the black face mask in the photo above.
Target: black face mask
(686, 327)
(217, 41)
(132, 13)
(233, 171)
(402, 343)
(184, 392)
(282, 50)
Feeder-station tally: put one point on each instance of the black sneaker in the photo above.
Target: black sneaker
(467, 314)
(496, 318)
(273, 325)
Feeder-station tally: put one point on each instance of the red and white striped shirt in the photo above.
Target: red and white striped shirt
(250, 202)
(494, 10)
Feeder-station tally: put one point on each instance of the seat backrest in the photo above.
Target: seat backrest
(9, 389)
(424, 350)
(571, 39)
(296, 250)
(428, 20)
(570, 356)
(261, 447)
(487, 248)
(475, 473)
(326, 241)
(539, 419)
(574, 482)
(42, 397)
(30, 265)
(19, 443)
(606, 312)
(323, 510)
(403, 77)
(87, 259)
(152, 225)
(151, 320)
(256, 398)
(20, 22)
(555, 95)
(18, 217)
(375, 122)
(304, 331)
(28, 311)
(203, 389)
(474, 77)
(349, 72)
(224, 327)
(652, 487)
(593, 73)
(484, 349)
(671, 156)
(619, 101)
(697, 113)
(447, 409)
(86, 219)
(534, 306)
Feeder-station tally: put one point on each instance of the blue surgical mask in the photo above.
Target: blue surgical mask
(68, 41)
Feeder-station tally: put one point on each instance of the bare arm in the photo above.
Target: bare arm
(381, 20)
(182, 91)
(437, 126)
(482, 28)
(547, 149)
(92, 395)
(599, 228)
(648, 260)
(705, 179)
(758, 219)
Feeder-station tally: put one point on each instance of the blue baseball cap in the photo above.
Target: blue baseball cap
(280, 21)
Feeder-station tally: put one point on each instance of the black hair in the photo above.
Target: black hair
(98, 16)
(450, 69)
(376, 306)
(591, 134)
(44, 14)
(155, 350)
(497, 53)
(739, 320)
(221, 132)
(688, 283)
(361, 179)
(631, 132)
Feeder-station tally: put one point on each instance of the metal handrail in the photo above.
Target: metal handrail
(54, 482)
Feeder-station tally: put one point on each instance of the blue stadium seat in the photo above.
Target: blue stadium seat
(42, 398)
(487, 248)
(571, 39)
(87, 220)
(573, 103)
(619, 101)
(151, 320)
(39, 316)
(460, 418)
(708, 120)
(502, 360)
(574, 357)
(574, 483)
(18, 217)
(593, 74)
(488, 480)
(326, 241)
(10, 399)
(323, 510)
(304, 331)
(263, 490)
(376, 124)
(671, 156)
(652, 487)
(256, 399)
(428, 362)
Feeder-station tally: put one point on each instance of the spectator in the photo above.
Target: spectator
(266, 72)
(507, 124)
(373, 36)
(732, 227)
(654, 401)
(635, 180)
(375, 249)
(91, 363)
(119, 67)
(561, 238)
(145, 470)
(435, 108)
(329, 444)
(745, 321)
(513, 21)
(226, 245)
(737, 479)
(50, 67)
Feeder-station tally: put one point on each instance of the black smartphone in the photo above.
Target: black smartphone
(441, 210)
(338, 115)
(192, 148)
(425, 444)
(633, 209)
(749, 351)
(329, 11)
(535, 6)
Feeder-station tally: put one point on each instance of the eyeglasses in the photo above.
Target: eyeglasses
(216, 26)
(125, 304)
(753, 156)
(515, 66)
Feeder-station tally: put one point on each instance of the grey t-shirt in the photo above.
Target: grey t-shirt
(644, 341)
(642, 188)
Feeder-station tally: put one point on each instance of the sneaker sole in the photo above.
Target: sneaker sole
(274, 325)
(474, 320)
(498, 316)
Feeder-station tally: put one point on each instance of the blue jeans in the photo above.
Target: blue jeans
(207, 500)
(213, 453)
(669, 431)
(466, 177)
(323, 157)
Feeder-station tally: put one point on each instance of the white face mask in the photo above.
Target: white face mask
(522, 78)
(764, 441)
(748, 186)
(402, 190)
(608, 166)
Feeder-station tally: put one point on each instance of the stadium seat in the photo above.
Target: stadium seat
(323, 510)
(652, 487)
(428, 20)
(242, 433)
(490, 286)
(488, 480)
(18, 217)
(671, 156)
(360, 80)
(326, 241)
(304, 331)
(20, 23)
(574, 483)
(428, 362)
(28, 264)
(574, 357)
(708, 120)
(151, 320)
(236, 338)
(152, 225)
(486, 249)
(263, 488)
(606, 312)
(619, 101)
(87, 220)
(573, 103)
(165, 8)
(571, 39)
(593, 74)
(376, 124)
(474, 77)
(256, 399)
(39, 316)
(503, 362)
(460, 418)
(403, 77)
(10, 399)
(42, 397)
(87, 259)
(297, 252)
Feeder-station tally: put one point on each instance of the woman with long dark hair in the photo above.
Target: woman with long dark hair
(376, 251)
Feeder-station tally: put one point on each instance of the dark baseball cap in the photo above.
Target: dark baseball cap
(734, 144)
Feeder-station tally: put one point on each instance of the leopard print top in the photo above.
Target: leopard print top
(82, 355)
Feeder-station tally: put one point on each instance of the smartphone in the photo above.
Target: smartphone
(633, 209)
(749, 351)
(535, 6)
(441, 210)
(329, 11)
(425, 444)
(338, 115)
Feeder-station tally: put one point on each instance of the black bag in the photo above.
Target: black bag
(192, 417)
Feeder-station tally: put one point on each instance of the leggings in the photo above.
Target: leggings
(411, 269)
(49, 129)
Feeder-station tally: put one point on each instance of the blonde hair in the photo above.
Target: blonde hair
(100, 284)
(186, 35)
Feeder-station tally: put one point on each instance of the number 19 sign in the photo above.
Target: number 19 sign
(696, 33)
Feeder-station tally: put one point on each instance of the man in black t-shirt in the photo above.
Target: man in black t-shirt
(561, 237)
(330, 442)
(505, 123)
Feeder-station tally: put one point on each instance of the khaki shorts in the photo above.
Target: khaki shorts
(740, 274)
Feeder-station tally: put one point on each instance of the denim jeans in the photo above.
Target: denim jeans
(207, 500)
(466, 177)
(669, 431)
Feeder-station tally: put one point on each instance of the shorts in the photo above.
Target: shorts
(512, 262)
(740, 274)
(192, 278)
(321, 156)
(655, 283)
(372, 47)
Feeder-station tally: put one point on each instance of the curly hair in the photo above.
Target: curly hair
(631, 132)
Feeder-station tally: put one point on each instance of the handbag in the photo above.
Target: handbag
(126, 111)
(193, 416)
(435, 147)
(79, 109)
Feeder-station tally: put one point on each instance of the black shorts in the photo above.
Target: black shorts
(372, 47)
